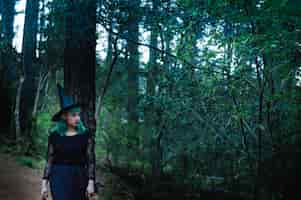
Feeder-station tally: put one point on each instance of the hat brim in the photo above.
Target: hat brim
(57, 116)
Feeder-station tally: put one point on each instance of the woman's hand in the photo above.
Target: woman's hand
(44, 189)
(90, 188)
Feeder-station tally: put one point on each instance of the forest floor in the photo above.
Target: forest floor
(19, 182)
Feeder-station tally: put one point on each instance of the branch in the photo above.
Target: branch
(106, 85)
(146, 45)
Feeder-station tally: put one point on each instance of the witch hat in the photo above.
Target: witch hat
(66, 103)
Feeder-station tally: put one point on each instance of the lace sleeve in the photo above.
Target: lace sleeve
(49, 159)
(91, 156)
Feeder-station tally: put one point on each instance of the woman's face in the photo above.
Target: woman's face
(71, 118)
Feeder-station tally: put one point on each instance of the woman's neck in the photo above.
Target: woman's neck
(71, 131)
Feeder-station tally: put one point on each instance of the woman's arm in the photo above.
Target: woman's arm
(91, 156)
(49, 159)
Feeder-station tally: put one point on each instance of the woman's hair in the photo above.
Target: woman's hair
(60, 127)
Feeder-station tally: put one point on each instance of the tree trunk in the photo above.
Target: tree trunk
(133, 63)
(259, 130)
(152, 79)
(17, 110)
(8, 66)
(110, 65)
(41, 84)
(152, 67)
(7, 22)
(29, 67)
(109, 56)
(80, 56)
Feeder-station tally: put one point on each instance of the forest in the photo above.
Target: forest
(186, 99)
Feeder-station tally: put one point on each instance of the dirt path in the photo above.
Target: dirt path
(18, 182)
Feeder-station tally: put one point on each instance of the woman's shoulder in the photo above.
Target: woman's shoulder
(53, 134)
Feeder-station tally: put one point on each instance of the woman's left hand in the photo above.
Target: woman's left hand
(90, 188)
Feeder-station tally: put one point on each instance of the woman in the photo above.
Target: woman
(70, 167)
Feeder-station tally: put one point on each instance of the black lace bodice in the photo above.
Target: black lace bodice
(77, 149)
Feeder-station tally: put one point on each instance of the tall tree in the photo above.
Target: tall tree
(7, 8)
(133, 59)
(8, 57)
(152, 78)
(29, 66)
(80, 56)
(153, 56)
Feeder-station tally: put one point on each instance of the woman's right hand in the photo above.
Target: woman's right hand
(44, 189)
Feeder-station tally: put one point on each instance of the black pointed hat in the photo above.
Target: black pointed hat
(66, 103)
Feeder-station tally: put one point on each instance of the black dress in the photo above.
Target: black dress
(70, 164)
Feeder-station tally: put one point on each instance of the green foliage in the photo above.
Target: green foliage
(230, 88)
(29, 162)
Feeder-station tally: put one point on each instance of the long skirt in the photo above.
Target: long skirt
(68, 182)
